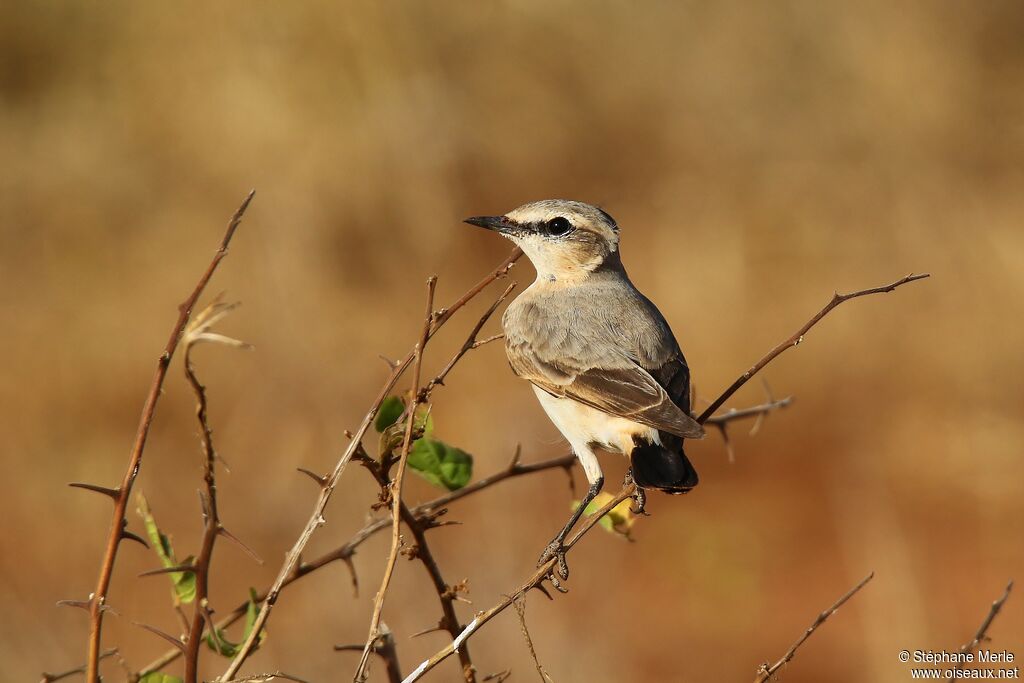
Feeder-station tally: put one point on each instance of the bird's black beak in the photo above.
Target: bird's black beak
(496, 223)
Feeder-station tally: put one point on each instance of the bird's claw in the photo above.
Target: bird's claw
(639, 495)
(560, 570)
(639, 502)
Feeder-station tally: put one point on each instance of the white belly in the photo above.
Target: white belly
(582, 425)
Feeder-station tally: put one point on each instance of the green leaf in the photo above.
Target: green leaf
(390, 410)
(159, 677)
(183, 583)
(251, 611)
(441, 464)
(220, 643)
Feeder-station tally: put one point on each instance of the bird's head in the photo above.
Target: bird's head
(565, 240)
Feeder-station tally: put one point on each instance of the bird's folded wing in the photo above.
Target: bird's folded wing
(628, 391)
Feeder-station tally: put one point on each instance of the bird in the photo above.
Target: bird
(601, 358)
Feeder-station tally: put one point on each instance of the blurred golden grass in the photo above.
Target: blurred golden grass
(757, 157)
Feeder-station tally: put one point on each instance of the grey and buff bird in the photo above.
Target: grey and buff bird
(600, 356)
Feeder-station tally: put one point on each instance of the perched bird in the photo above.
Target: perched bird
(600, 356)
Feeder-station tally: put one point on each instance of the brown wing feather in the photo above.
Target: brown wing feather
(630, 391)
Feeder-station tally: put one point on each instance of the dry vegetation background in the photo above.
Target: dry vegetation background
(758, 156)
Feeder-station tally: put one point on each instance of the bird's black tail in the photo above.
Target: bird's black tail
(665, 468)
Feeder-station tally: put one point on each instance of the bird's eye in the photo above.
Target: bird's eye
(559, 226)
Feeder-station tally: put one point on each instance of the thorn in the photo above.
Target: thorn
(516, 456)
(391, 365)
(86, 605)
(347, 559)
(447, 522)
(204, 505)
(129, 536)
(728, 444)
(249, 551)
(432, 629)
(572, 482)
(542, 589)
(169, 570)
(176, 642)
(322, 481)
(113, 494)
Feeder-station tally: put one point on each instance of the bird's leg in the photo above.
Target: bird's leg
(639, 495)
(556, 549)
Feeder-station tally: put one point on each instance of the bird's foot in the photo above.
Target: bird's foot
(560, 569)
(639, 495)
(639, 502)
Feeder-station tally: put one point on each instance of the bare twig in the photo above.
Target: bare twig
(520, 606)
(766, 672)
(982, 634)
(798, 337)
(117, 532)
(471, 341)
(753, 411)
(267, 677)
(535, 580)
(198, 332)
(52, 678)
(292, 558)
(395, 486)
(383, 647)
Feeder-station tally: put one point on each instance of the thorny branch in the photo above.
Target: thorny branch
(53, 678)
(982, 633)
(471, 341)
(346, 551)
(98, 599)
(383, 647)
(394, 488)
(798, 337)
(330, 483)
(766, 672)
(535, 580)
(418, 525)
(198, 332)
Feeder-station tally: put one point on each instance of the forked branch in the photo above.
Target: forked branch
(97, 602)
(798, 337)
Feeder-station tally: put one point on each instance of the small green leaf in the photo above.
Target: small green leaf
(441, 464)
(390, 410)
(184, 583)
(159, 677)
(251, 611)
(220, 643)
